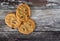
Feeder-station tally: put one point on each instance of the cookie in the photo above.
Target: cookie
(23, 12)
(12, 21)
(23, 9)
(27, 27)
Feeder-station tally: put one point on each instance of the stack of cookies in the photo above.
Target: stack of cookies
(21, 19)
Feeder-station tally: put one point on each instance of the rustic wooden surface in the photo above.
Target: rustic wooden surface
(47, 20)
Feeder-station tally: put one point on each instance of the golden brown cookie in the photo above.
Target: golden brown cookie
(12, 21)
(23, 9)
(23, 12)
(27, 27)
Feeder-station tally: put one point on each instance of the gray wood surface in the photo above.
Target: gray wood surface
(46, 20)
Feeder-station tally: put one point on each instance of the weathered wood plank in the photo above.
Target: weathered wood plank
(46, 20)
